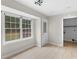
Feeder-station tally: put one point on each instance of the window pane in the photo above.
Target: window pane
(7, 18)
(12, 25)
(13, 31)
(12, 37)
(17, 26)
(26, 21)
(17, 20)
(44, 27)
(7, 37)
(27, 28)
(7, 34)
(7, 25)
(26, 31)
(12, 19)
(7, 31)
(23, 25)
(11, 28)
(23, 21)
(23, 31)
(18, 34)
(27, 25)
(29, 22)
(29, 32)
(18, 31)
(26, 35)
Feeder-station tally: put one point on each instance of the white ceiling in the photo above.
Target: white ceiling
(52, 7)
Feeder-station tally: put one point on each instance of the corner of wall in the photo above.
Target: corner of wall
(56, 44)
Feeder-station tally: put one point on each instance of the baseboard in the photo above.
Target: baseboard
(19, 51)
(70, 41)
(44, 44)
(57, 44)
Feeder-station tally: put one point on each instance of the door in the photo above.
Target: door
(44, 38)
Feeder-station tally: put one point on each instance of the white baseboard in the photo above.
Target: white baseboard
(20, 50)
(44, 44)
(57, 44)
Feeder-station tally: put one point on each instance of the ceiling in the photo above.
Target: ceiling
(52, 7)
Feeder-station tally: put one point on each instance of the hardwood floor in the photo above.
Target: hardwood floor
(69, 51)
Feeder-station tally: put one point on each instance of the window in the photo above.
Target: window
(12, 28)
(44, 27)
(26, 28)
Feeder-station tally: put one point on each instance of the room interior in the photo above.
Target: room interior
(70, 30)
(38, 29)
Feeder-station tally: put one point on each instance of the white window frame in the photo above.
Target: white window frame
(31, 27)
(3, 13)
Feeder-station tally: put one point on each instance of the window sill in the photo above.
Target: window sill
(17, 40)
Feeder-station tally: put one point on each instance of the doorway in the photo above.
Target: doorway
(70, 30)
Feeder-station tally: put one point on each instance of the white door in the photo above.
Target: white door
(44, 38)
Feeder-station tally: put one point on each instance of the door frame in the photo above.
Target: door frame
(63, 25)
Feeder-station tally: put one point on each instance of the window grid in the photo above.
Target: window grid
(12, 28)
(26, 28)
(16, 28)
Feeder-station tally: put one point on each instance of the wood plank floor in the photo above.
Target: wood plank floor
(69, 51)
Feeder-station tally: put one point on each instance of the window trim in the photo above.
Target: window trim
(3, 27)
(26, 28)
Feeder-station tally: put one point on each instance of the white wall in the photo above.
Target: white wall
(38, 32)
(69, 15)
(13, 48)
(56, 30)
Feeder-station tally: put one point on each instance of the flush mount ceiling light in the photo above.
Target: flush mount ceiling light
(39, 2)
